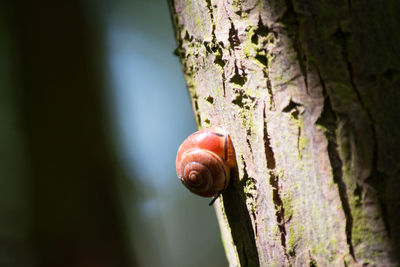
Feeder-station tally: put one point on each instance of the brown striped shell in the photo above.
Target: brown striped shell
(205, 160)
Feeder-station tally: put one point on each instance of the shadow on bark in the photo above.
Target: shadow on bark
(239, 221)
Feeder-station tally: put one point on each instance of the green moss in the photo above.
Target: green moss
(250, 186)
(246, 115)
(219, 62)
(333, 242)
(249, 91)
(199, 24)
(312, 263)
(279, 78)
(343, 92)
(319, 248)
(295, 233)
(287, 204)
(363, 236)
(292, 242)
(218, 91)
(249, 48)
(302, 143)
(275, 230)
(253, 46)
(360, 232)
(322, 128)
(190, 85)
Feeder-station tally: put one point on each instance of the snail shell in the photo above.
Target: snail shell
(205, 160)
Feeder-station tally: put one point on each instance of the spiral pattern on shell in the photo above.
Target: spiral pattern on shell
(204, 162)
(203, 172)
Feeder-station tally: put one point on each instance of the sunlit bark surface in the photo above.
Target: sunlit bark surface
(309, 92)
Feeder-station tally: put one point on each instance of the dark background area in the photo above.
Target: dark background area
(93, 107)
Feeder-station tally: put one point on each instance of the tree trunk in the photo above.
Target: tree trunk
(309, 92)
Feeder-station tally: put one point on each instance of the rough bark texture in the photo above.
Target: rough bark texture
(310, 94)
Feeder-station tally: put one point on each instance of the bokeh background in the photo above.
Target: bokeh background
(93, 107)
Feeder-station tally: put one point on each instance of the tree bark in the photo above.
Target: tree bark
(309, 92)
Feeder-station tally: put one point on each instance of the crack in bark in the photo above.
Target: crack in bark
(292, 107)
(263, 31)
(336, 164)
(269, 90)
(312, 262)
(196, 109)
(363, 106)
(217, 47)
(233, 37)
(250, 184)
(274, 182)
(279, 210)
(249, 145)
(243, 100)
(208, 3)
(298, 141)
(269, 153)
(301, 56)
(237, 78)
(328, 119)
(342, 37)
(223, 82)
(375, 177)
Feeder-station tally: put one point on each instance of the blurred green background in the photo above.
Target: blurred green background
(93, 107)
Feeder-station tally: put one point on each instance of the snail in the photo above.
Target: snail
(205, 162)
